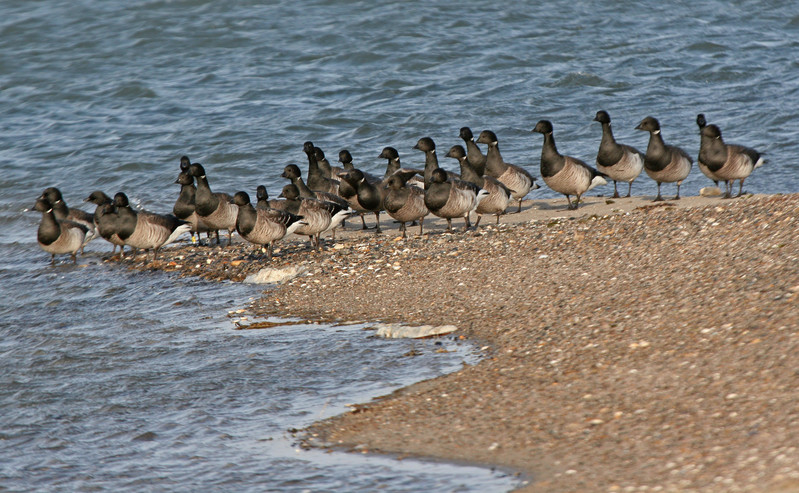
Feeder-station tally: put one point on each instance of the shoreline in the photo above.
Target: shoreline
(633, 346)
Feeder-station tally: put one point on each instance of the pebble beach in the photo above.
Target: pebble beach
(629, 345)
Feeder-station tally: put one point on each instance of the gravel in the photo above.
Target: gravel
(629, 346)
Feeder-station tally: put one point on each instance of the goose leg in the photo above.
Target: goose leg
(421, 226)
(577, 202)
(677, 197)
(402, 229)
(377, 218)
(630, 190)
(466, 223)
(520, 206)
(569, 200)
(740, 189)
(363, 221)
(726, 193)
(659, 198)
(479, 216)
(615, 190)
(449, 224)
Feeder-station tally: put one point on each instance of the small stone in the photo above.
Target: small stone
(710, 192)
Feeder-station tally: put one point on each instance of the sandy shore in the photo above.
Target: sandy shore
(632, 346)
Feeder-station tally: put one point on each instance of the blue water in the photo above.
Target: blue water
(116, 380)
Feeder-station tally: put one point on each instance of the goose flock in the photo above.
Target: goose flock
(320, 203)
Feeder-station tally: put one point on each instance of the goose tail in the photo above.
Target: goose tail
(91, 234)
(340, 216)
(296, 225)
(597, 180)
(183, 228)
(481, 194)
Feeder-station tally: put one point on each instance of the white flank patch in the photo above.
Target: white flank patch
(295, 225)
(183, 228)
(598, 180)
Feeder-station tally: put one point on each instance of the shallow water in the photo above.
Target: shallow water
(121, 380)
(113, 379)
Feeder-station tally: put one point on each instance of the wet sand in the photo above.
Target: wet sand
(630, 346)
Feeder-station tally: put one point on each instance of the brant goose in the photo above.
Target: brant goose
(426, 145)
(262, 198)
(318, 180)
(448, 198)
(664, 163)
(403, 202)
(368, 194)
(565, 174)
(216, 210)
(263, 226)
(317, 215)
(324, 164)
(473, 153)
(146, 230)
(293, 173)
(347, 191)
(58, 236)
(61, 211)
(729, 162)
(618, 161)
(701, 122)
(393, 166)
(499, 196)
(105, 220)
(185, 206)
(512, 176)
